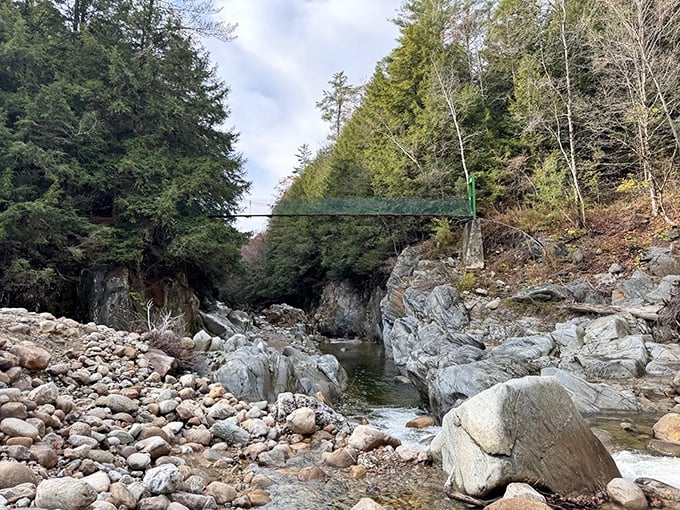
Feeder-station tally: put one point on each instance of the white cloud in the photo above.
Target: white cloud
(279, 64)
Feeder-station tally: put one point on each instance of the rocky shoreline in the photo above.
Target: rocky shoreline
(86, 421)
(454, 339)
(92, 417)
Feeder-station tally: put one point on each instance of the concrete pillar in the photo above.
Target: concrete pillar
(473, 247)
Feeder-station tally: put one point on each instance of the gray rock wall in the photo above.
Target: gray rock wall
(345, 312)
(115, 297)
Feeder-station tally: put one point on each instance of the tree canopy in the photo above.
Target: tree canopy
(555, 106)
(112, 148)
(113, 151)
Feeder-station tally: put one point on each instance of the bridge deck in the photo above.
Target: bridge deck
(370, 206)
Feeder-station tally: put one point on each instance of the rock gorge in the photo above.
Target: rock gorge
(84, 403)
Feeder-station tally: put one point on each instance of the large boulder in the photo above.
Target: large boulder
(523, 430)
(64, 492)
(665, 359)
(568, 337)
(451, 368)
(668, 428)
(222, 321)
(524, 348)
(661, 261)
(435, 354)
(612, 349)
(620, 358)
(217, 323)
(450, 386)
(324, 415)
(662, 293)
(284, 315)
(255, 373)
(632, 291)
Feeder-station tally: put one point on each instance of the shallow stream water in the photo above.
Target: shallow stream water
(376, 393)
(388, 404)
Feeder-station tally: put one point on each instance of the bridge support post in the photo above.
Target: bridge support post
(473, 246)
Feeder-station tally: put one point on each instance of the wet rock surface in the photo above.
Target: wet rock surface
(525, 430)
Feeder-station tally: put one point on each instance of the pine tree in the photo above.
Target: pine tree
(113, 150)
(338, 103)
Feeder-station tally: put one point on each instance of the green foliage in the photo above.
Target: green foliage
(467, 282)
(629, 184)
(551, 192)
(33, 284)
(338, 103)
(111, 148)
(442, 236)
(520, 93)
(289, 267)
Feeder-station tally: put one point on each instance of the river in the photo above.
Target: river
(375, 393)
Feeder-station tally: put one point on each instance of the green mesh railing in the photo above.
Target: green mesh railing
(373, 206)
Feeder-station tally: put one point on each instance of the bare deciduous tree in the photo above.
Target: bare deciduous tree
(546, 96)
(640, 48)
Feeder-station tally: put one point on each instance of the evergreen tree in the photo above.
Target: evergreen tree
(338, 103)
(112, 150)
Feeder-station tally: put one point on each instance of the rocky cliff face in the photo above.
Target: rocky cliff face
(114, 296)
(105, 296)
(454, 344)
(345, 312)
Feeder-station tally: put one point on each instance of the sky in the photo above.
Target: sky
(284, 54)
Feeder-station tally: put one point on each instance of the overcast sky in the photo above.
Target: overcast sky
(284, 53)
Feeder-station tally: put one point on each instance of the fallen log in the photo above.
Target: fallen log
(650, 313)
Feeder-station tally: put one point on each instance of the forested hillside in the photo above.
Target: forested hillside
(111, 147)
(558, 107)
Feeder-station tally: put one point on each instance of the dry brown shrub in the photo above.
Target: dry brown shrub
(171, 344)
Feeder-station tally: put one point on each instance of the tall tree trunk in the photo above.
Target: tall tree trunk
(571, 161)
(454, 116)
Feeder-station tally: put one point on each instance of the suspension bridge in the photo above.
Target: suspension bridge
(449, 207)
(457, 207)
